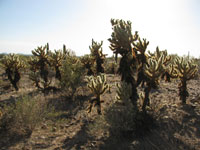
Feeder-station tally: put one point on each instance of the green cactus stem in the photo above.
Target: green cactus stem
(98, 86)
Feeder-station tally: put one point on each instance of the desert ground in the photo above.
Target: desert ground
(176, 126)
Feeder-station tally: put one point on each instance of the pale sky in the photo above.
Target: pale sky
(170, 24)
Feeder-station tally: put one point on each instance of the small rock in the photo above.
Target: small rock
(135, 143)
(67, 125)
(58, 148)
(61, 127)
(42, 137)
(165, 117)
(44, 126)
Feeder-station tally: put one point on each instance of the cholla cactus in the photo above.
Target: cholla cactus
(98, 86)
(35, 77)
(184, 70)
(141, 47)
(39, 65)
(122, 39)
(166, 62)
(33, 63)
(12, 64)
(88, 62)
(158, 54)
(142, 57)
(42, 54)
(153, 70)
(122, 42)
(124, 92)
(56, 60)
(98, 56)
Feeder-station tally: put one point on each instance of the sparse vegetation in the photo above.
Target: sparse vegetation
(22, 116)
(72, 73)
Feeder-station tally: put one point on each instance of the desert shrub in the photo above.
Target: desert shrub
(120, 119)
(123, 121)
(21, 117)
(111, 67)
(72, 73)
(110, 63)
(123, 125)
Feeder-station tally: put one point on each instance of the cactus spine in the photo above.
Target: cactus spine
(98, 86)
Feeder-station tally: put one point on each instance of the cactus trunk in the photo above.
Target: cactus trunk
(16, 78)
(58, 74)
(127, 76)
(166, 76)
(146, 99)
(183, 93)
(98, 104)
(100, 68)
(141, 78)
